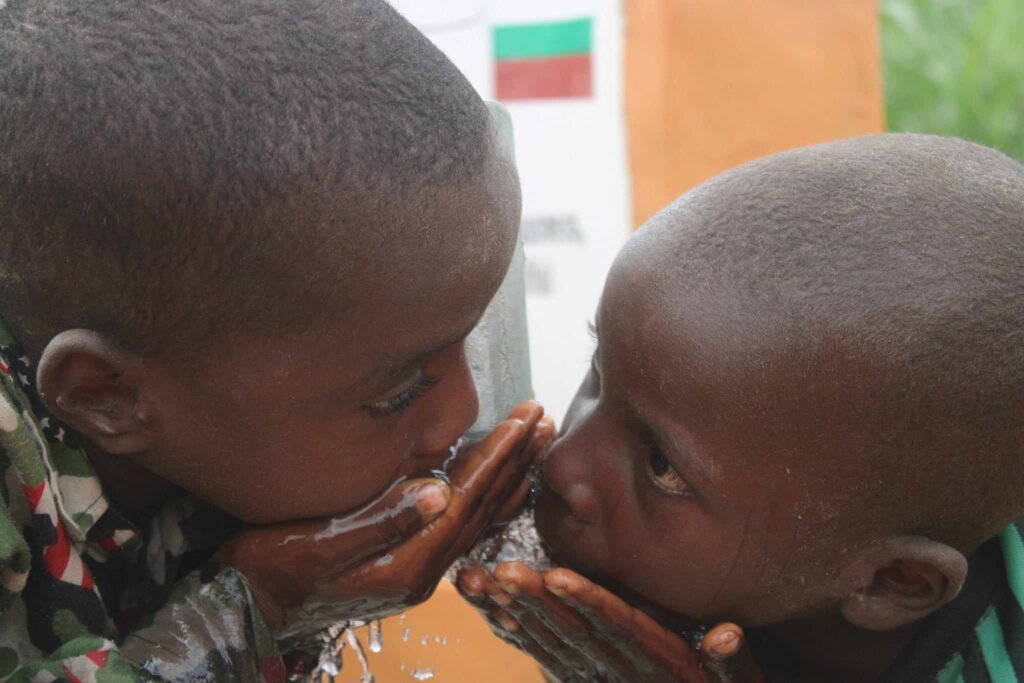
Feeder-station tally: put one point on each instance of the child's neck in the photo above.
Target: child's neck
(133, 490)
(828, 649)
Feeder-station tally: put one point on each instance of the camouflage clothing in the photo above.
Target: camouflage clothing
(85, 595)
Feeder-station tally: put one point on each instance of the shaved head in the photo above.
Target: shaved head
(172, 172)
(883, 278)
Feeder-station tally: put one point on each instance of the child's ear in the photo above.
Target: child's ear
(903, 581)
(95, 388)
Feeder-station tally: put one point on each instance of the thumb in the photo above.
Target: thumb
(394, 517)
(406, 509)
(726, 657)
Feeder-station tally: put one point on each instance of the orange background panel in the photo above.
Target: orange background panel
(445, 634)
(714, 83)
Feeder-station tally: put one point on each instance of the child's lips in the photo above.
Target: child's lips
(566, 536)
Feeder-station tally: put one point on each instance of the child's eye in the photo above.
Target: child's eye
(663, 475)
(403, 401)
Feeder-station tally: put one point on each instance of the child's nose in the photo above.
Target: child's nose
(567, 475)
(455, 404)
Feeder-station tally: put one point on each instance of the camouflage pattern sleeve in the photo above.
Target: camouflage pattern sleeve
(85, 595)
(209, 630)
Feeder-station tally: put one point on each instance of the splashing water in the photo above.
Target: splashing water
(422, 674)
(446, 466)
(357, 647)
(331, 652)
(375, 637)
(336, 638)
(517, 541)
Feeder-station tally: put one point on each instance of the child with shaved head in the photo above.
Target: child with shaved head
(804, 415)
(241, 244)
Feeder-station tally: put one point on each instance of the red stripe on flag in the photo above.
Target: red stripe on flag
(554, 77)
(4, 369)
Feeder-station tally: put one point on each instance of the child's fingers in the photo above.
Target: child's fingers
(511, 506)
(471, 582)
(636, 635)
(416, 565)
(473, 472)
(484, 479)
(543, 435)
(507, 483)
(725, 654)
(509, 597)
(483, 468)
(391, 519)
(556, 626)
(476, 585)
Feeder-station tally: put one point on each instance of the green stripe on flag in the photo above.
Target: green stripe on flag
(993, 648)
(524, 41)
(1013, 553)
(953, 671)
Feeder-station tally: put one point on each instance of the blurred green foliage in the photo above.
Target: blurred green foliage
(956, 67)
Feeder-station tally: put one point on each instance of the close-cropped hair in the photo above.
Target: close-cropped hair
(172, 168)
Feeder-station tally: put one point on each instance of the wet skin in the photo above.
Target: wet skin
(689, 485)
(324, 439)
(580, 631)
(664, 481)
(692, 475)
(390, 555)
(305, 423)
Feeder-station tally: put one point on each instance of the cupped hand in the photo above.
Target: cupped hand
(579, 631)
(391, 554)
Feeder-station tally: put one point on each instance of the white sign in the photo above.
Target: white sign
(571, 153)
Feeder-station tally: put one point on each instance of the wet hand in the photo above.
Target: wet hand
(579, 631)
(391, 554)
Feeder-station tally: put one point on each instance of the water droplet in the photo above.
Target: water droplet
(375, 637)
(331, 652)
(424, 641)
(406, 634)
(357, 647)
(518, 541)
(422, 674)
(437, 639)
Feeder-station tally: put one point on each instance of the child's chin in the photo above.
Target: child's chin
(576, 546)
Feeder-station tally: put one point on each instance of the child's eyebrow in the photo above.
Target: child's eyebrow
(391, 370)
(680, 449)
